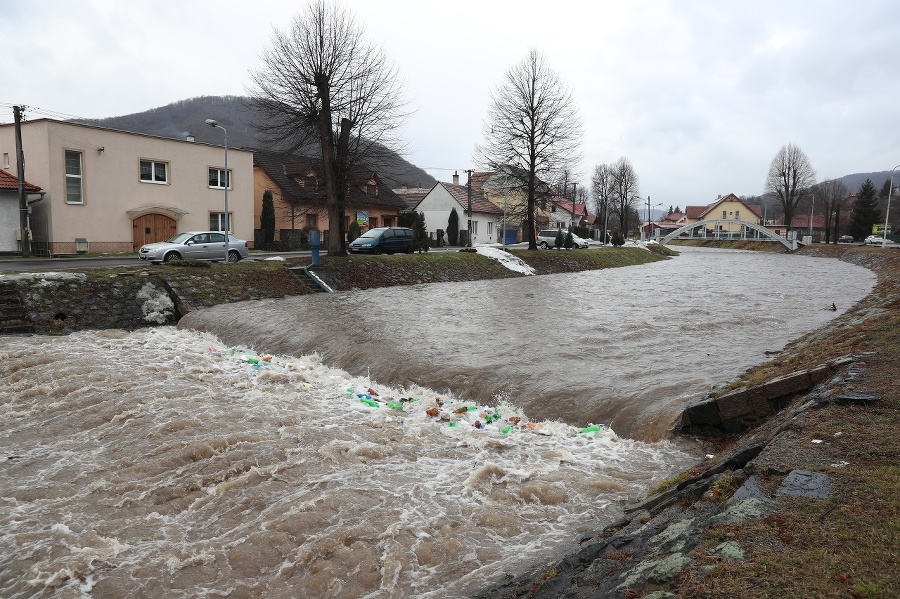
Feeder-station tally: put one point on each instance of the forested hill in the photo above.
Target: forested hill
(184, 117)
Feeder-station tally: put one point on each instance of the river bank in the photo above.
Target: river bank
(805, 505)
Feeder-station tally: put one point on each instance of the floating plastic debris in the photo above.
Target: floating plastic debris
(594, 428)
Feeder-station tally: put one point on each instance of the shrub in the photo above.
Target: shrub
(569, 243)
(453, 227)
(190, 262)
(560, 240)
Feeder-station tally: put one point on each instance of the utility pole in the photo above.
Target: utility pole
(574, 195)
(20, 173)
(469, 193)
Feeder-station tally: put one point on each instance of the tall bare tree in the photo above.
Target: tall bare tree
(790, 177)
(321, 85)
(603, 189)
(626, 187)
(831, 194)
(533, 125)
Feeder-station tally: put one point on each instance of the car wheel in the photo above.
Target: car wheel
(544, 246)
(172, 256)
(376, 251)
(234, 256)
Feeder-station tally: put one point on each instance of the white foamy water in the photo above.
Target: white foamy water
(159, 463)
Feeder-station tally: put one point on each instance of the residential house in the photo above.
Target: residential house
(485, 217)
(565, 213)
(112, 191)
(729, 207)
(298, 191)
(506, 189)
(411, 195)
(800, 227)
(10, 212)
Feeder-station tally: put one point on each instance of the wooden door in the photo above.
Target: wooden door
(151, 228)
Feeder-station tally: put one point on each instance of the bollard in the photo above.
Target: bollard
(314, 241)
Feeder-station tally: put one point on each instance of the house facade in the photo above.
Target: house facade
(485, 217)
(114, 191)
(505, 189)
(729, 207)
(298, 194)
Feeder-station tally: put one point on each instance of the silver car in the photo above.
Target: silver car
(195, 245)
(546, 239)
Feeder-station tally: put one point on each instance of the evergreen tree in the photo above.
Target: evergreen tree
(453, 227)
(407, 219)
(420, 242)
(353, 231)
(569, 243)
(618, 240)
(267, 218)
(560, 240)
(865, 211)
(885, 189)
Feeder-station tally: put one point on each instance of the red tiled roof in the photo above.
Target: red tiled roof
(479, 202)
(10, 181)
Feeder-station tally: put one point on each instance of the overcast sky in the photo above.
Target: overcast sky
(699, 95)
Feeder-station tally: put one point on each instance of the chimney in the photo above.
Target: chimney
(455, 178)
(719, 196)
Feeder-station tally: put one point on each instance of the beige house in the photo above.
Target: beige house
(113, 191)
(729, 207)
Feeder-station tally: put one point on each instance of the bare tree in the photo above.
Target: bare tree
(790, 176)
(533, 126)
(831, 194)
(626, 188)
(321, 85)
(603, 188)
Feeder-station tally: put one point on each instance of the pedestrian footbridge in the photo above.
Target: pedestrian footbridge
(727, 229)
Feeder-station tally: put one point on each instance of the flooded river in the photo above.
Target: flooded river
(175, 463)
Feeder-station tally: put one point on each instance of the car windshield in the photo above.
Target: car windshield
(180, 238)
(372, 233)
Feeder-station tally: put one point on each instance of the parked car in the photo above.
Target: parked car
(845, 239)
(547, 239)
(196, 245)
(383, 240)
(874, 240)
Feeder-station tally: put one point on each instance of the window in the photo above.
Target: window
(474, 227)
(724, 214)
(217, 221)
(154, 172)
(218, 177)
(737, 215)
(74, 193)
(5, 159)
(371, 191)
(312, 221)
(490, 230)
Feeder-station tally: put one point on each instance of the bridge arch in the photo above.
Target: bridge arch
(789, 244)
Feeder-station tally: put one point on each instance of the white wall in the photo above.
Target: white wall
(9, 221)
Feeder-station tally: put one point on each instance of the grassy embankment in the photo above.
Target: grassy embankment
(847, 545)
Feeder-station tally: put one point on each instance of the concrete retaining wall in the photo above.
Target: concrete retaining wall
(740, 409)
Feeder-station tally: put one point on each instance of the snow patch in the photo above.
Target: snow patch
(158, 305)
(44, 276)
(505, 259)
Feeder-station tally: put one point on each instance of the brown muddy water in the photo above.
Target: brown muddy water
(173, 463)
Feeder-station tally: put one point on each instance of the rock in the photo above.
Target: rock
(860, 399)
(803, 483)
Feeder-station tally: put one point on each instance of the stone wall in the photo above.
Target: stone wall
(63, 302)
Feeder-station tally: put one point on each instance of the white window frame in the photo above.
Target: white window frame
(153, 164)
(79, 176)
(219, 172)
(219, 216)
(6, 160)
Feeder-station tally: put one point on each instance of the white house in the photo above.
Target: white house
(10, 212)
(485, 218)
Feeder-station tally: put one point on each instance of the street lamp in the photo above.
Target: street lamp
(214, 123)
(887, 213)
(648, 219)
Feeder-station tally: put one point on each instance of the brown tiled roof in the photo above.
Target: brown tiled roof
(283, 168)
(412, 195)
(10, 181)
(479, 202)
(699, 212)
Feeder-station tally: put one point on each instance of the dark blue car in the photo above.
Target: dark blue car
(383, 240)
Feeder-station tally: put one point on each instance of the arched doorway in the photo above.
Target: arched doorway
(150, 228)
